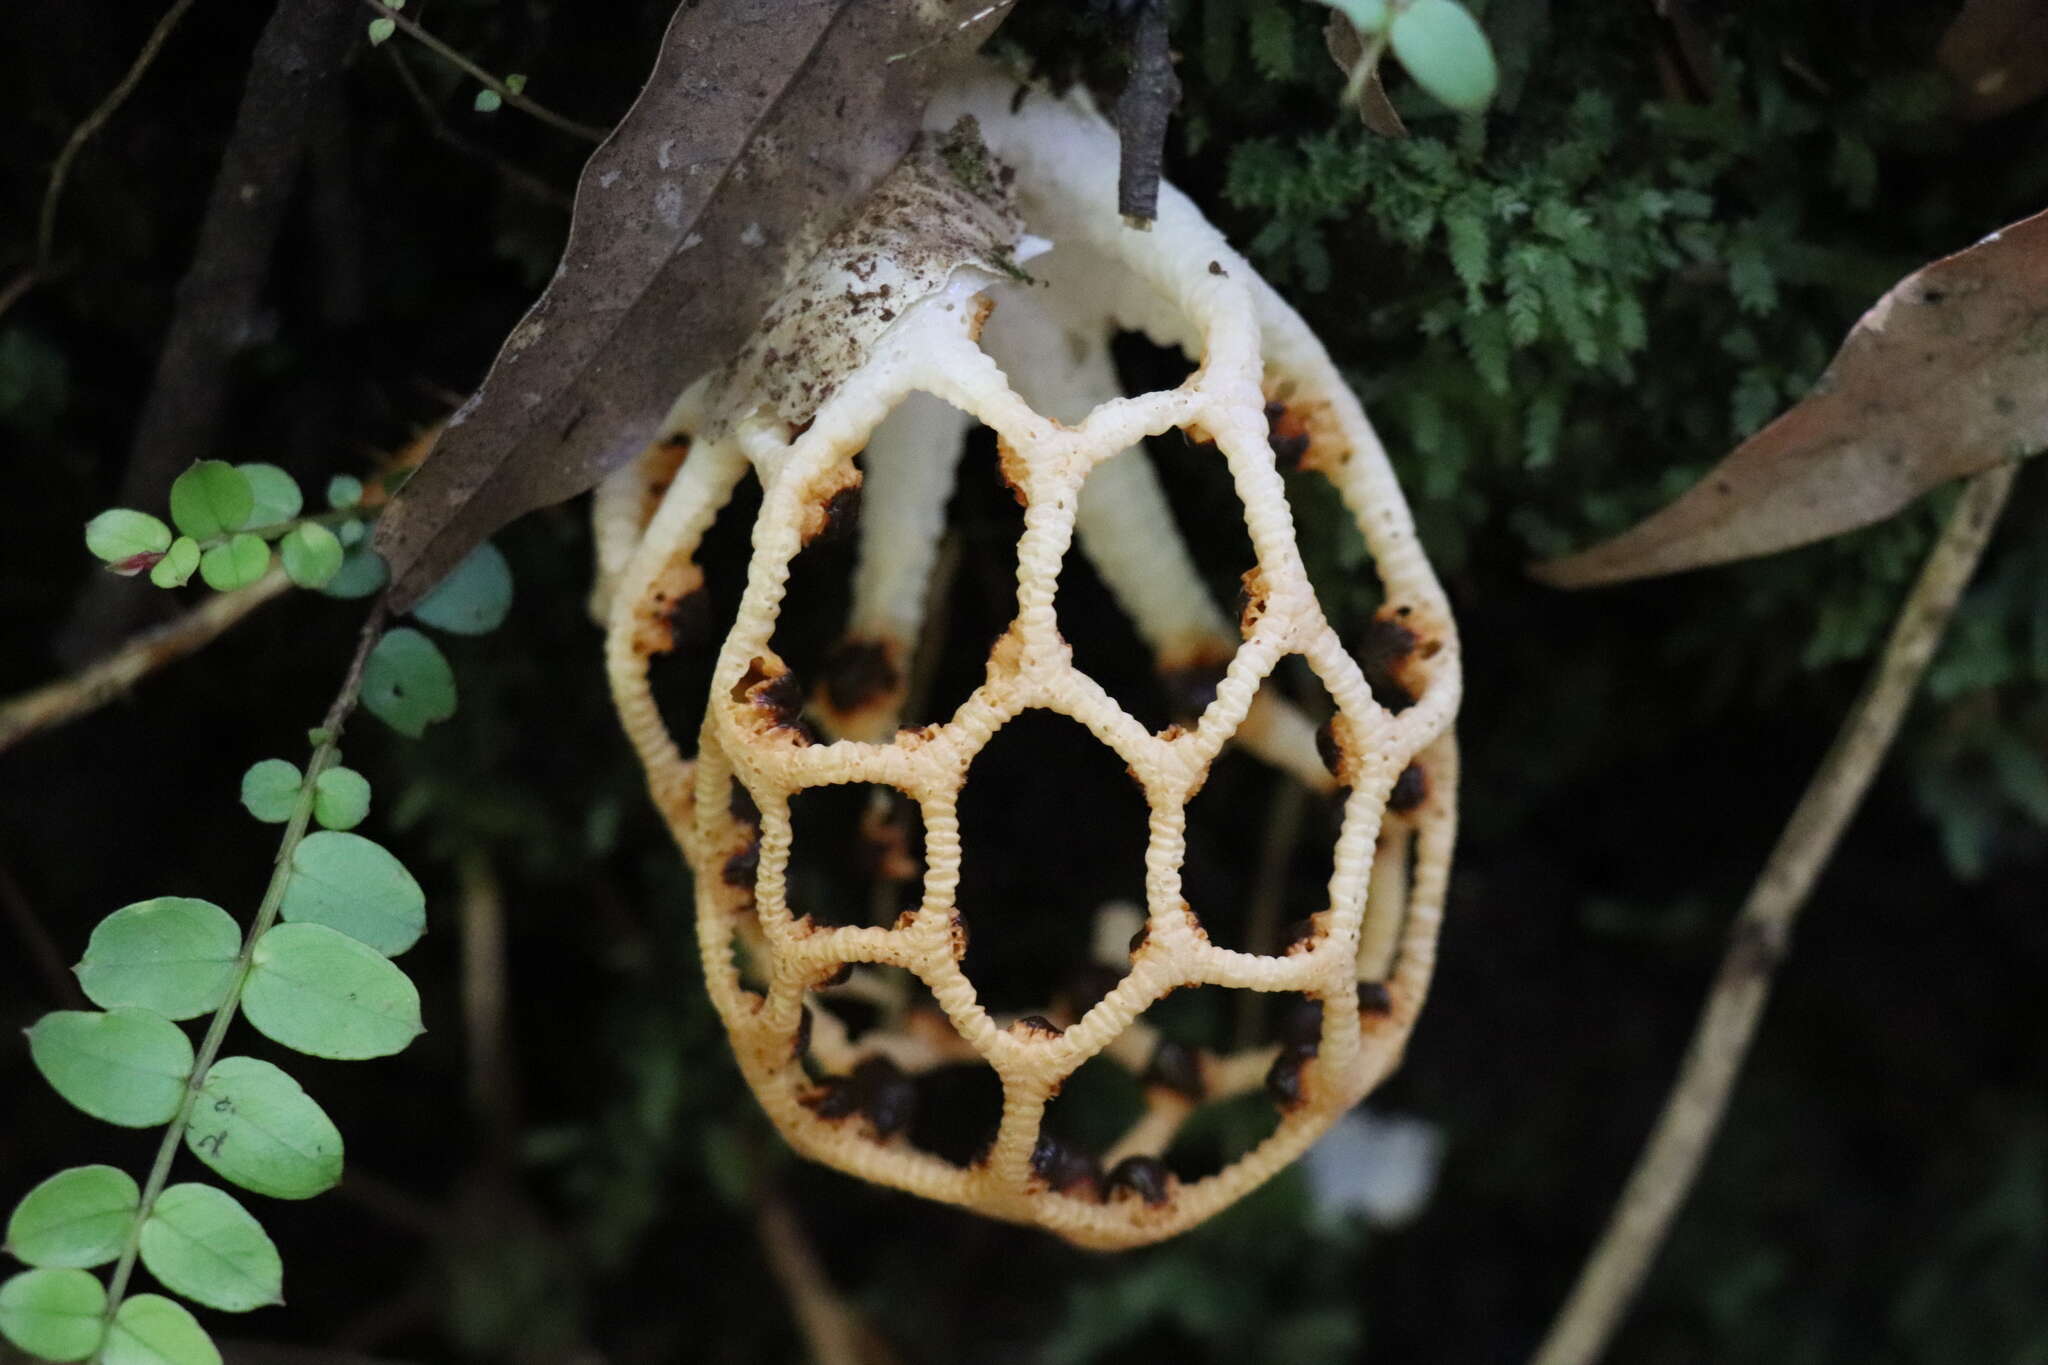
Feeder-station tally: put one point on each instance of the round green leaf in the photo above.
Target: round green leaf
(341, 798)
(211, 499)
(173, 955)
(127, 1066)
(311, 555)
(203, 1244)
(118, 534)
(350, 884)
(350, 533)
(236, 564)
(78, 1218)
(407, 683)
(276, 494)
(362, 572)
(270, 790)
(320, 992)
(174, 570)
(344, 491)
(150, 1329)
(54, 1314)
(255, 1126)
(475, 596)
(1446, 52)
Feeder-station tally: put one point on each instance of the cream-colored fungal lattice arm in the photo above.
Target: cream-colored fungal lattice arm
(1351, 986)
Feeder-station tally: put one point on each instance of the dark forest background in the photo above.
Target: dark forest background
(1558, 320)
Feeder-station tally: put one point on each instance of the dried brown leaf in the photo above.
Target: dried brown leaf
(1947, 375)
(762, 123)
(1347, 49)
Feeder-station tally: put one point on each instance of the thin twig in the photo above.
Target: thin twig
(1671, 1160)
(22, 282)
(492, 1090)
(526, 182)
(832, 1330)
(99, 683)
(46, 222)
(42, 949)
(485, 78)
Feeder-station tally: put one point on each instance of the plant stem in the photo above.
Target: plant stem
(103, 680)
(324, 754)
(485, 78)
(46, 220)
(1671, 1160)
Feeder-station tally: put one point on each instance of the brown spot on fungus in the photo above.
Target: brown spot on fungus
(1067, 1167)
(1191, 680)
(1386, 653)
(1411, 789)
(1286, 1079)
(1176, 1067)
(1144, 1176)
(742, 867)
(859, 672)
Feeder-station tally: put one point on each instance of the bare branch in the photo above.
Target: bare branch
(1671, 1160)
(99, 683)
(46, 220)
(832, 1330)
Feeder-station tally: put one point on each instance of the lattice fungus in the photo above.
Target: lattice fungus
(983, 289)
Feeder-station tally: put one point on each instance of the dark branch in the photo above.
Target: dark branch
(1142, 112)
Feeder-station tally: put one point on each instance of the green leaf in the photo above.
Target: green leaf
(78, 1218)
(127, 1066)
(211, 499)
(203, 1244)
(254, 1125)
(118, 534)
(150, 1329)
(341, 798)
(407, 684)
(270, 790)
(1446, 52)
(174, 570)
(311, 554)
(322, 993)
(174, 955)
(352, 885)
(362, 573)
(487, 102)
(381, 30)
(516, 82)
(276, 494)
(236, 564)
(475, 596)
(344, 491)
(53, 1314)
